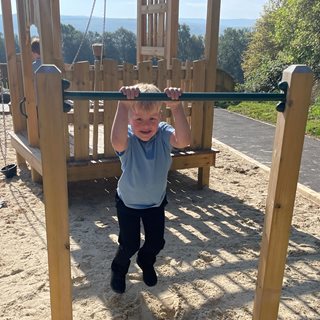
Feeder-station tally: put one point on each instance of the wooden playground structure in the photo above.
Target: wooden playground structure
(70, 146)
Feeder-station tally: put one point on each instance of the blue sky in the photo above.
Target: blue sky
(230, 9)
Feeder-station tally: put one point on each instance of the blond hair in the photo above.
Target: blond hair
(147, 105)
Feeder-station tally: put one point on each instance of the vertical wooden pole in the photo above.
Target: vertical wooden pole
(46, 33)
(24, 37)
(286, 158)
(56, 33)
(19, 123)
(172, 31)
(54, 169)
(211, 53)
(141, 29)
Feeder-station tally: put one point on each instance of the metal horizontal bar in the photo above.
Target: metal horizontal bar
(186, 96)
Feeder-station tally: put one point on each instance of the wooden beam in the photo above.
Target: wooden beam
(54, 169)
(286, 158)
(32, 155)
(192, 159)
(172, 30)
(110, 167)
(152, 51)
(211, 53)
(19, 122)
(154, 8)
(28, 75)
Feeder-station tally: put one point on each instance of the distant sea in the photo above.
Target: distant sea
(197, 26)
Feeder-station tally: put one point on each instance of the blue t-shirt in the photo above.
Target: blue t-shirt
(145, 166)
(36, 64)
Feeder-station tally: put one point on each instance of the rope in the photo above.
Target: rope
(103, 28)
(85, 33)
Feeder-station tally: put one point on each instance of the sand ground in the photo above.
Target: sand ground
(207, 269)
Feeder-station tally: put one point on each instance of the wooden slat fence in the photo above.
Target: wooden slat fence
(89, 122)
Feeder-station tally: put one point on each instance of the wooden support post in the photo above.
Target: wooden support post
(172, 31)
(54, 169)
(28, 84)
(211, 53)
(286, 158)
(19, 123)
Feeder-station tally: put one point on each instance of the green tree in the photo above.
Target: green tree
(124, 45)
(232, 44)
(287, 33)
(190, 47)
(72, 40)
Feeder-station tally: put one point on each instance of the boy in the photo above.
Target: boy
(144, 149)
(36, 57)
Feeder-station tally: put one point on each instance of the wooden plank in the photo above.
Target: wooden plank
(153, 8)
(128, 74)
(99, 116)
(187, 83)
(152, 51)
(32, 155)
(176, 73)
(161, 83)
(98, 169)
(97, 87)
(150, 27)
(46, 33)
(175, 80)
(161, 25)
(55, 190)
(184, 160)
(111, 83)
(14, 72)
(81, 112)
(286, 159)
(56, 33)
(28, 76)
(172, 30)
(140, 29)
(211, 53)
(110, 167)
(66, 134)
(198, 85)
(145, 72)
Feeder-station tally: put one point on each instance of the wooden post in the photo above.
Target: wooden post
(24, 33)
(286, 158)
(19, 123)
(172, 31)
(211, 53)
(54, 169)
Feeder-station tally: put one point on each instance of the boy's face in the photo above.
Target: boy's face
(144, 123)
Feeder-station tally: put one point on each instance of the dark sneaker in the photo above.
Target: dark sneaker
(149, 275)
(118, 282)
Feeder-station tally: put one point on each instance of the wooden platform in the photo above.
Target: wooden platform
(108, 167)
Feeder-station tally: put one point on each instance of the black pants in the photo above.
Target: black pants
(129, 235)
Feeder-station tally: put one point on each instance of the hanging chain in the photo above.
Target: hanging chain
(3, 146)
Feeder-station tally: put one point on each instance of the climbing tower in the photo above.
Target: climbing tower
(157, 29)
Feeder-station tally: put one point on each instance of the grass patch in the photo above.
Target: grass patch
(266, 111)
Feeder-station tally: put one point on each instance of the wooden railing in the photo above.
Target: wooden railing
(89, 123)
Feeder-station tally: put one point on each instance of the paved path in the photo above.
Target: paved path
(255, 139)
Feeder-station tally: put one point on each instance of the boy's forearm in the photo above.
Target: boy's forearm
(119, 130)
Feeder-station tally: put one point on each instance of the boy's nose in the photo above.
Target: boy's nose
(146, 123)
